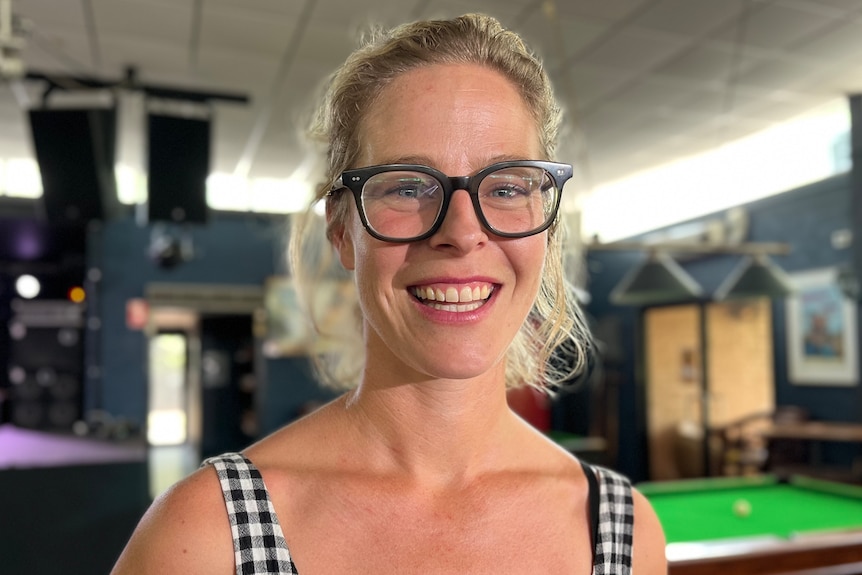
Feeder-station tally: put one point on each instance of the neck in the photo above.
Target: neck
(438, 431)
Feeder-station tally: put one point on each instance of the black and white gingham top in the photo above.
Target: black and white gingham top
(260, 548)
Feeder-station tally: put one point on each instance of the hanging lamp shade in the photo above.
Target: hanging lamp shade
(755, 276)
(657, 280)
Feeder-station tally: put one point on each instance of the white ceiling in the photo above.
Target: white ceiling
(645, 81)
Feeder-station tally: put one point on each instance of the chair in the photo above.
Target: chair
(741, 448)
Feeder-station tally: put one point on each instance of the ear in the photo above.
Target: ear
(340, 237)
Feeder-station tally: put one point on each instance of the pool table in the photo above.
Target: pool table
(764, 525)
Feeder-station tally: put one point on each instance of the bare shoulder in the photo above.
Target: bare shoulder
(649, 542)
(186, 530)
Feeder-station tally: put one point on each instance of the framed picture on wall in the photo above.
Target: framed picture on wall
(822, 331)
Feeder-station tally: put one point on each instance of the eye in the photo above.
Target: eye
(401, 187)
(409, 191)
(509, 190)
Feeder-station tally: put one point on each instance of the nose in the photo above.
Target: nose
(461, 228)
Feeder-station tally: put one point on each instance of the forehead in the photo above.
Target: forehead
(449, 113)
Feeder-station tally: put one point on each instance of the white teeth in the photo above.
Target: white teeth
(468, 298)
(457, 307)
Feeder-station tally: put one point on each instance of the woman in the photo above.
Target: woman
(421, 467)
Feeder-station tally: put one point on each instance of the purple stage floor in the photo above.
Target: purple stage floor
(23, 448)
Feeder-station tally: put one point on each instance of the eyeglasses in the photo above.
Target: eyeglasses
(407, 202)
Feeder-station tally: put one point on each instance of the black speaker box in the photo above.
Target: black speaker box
(48, 348)
(75, 149)
(178, 164)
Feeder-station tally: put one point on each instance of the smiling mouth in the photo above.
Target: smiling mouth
(453, 298)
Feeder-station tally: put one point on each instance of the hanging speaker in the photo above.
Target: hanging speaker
(178, 164)
(75, 152)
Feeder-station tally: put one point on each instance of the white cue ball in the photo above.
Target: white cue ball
(741, 508)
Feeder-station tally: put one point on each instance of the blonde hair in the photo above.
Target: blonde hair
(552, 344)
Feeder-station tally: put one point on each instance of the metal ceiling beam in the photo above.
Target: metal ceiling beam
(65, 82)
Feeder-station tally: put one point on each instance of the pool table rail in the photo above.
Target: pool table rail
(838, 553)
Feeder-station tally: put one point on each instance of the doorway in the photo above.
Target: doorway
(220, 385)
(228, 384)
(683, 403)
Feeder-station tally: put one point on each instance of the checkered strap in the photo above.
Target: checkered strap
(258, 542)
(613, 551)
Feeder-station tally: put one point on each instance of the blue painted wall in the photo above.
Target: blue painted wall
(230, 249)
(804, 218)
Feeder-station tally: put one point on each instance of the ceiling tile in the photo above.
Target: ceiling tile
(255, 8)
(342, 16)
(704, 64)
(588, 84)
(559, 40)
(632, 50)
(238, 70)
(249, 31)
(710, 104)
(153, 21)
(507, 11)
(835, 81)
(778, 73)
(846, 6)
(677, 120)
(60, 51)
(777, 110)
(610, 118)
(654, 92)
(50, 13)
(605, 10)
(843, 42)
(775, 26)
(688, 17)
(324, 52)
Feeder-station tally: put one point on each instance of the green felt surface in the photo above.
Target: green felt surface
(703, 510)
(559, 436)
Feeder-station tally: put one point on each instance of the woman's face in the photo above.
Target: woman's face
(457, 119)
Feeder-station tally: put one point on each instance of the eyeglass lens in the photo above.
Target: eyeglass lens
(406, 204)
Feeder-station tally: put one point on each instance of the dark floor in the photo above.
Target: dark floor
(62, 516)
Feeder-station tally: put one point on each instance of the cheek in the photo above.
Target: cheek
(376, 264)
(531, 260)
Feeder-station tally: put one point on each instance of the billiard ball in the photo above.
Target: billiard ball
(741, 508)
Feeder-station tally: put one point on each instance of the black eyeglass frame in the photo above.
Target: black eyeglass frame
(355, 180)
